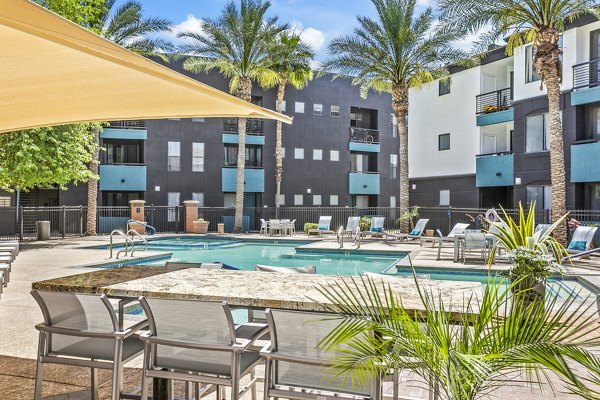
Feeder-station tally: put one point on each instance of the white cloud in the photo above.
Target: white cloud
(314, 37)
(424, 3)
(189, 24)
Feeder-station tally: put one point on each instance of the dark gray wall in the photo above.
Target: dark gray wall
(463, 192)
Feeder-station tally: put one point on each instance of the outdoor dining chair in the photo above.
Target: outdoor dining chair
(297, 367)
(83, 330)
(198, 343)
(263, 227)
(474, 241)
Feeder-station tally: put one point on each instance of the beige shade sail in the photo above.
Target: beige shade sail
(54, 72)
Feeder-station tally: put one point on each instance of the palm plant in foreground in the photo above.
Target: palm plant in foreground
(468, 352)
(238, 44)
(291, 60)
(398, 51)
(538, 21)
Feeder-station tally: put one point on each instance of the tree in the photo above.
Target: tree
(464, 354)
(540, 22)
(238, 44)
(46, 157)
(394, 53)
(87, 13)
(291, 60)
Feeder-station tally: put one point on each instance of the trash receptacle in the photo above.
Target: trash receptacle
(220, 229)
(43, 230)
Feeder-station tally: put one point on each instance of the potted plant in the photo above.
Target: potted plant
(200, 226)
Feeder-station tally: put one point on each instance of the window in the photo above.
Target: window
(283, 152)
(174, 157)
(359, 162)
(4, 201)
(318, 109)
(172, 202)
(229, 200)
(593, 130)
(444, 142)
(299, 153)
(253, 155)
(393, 166)
(335, 111)
(316, 199)
(334, 155)
(317, 154)
(444, 86)
(199, 119)
(392, 201)
(282, 105)
(199, 197)
(122, 152)
(119, 199)
(444, 197)
(299, 107)
(394, 125)
(542, 195)
(282, 199)
(198, 157)
(333, 200)
(532, 74)
(537, 133)
(298, 199)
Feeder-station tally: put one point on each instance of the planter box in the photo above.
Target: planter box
(200, 226)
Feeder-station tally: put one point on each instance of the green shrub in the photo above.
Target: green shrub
(364, 223)
(310, 225)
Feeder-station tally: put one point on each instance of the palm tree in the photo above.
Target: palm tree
(538, 21)
(291, 60)
(238, 44)
(466, 354)
(126, 26)
(394, 53)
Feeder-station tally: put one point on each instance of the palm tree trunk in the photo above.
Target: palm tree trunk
(244, 92)
(92, 187)
(550, 66)
(278, 145)
(400, 108)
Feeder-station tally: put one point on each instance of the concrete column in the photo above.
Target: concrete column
(136, 207)
(191, 214)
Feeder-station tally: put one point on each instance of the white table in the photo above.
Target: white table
(458, 239)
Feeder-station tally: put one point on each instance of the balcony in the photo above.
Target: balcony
(585, 83)
(130, 130)
(123, 177)
(233, 138)
(494, 107)
(362, 139)
(253, 126)
(496, 169)
(585, 163)
(363, 183)
(254, 179)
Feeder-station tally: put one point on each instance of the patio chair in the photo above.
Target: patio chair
(296, 367)
(474, 241)
(196, 342)
(5, 270)
(291, 228)
(416, 233)
(440, 238)
(83, 330)
(285, 226)
(542, 228)
(10, 243)
(178, 264)
(352, 226)
(9, 250)
(376, 228)
(274, 226)
(324, 226)
(582, 239)
(263, 227)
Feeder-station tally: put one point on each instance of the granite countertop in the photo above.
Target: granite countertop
(246, 288)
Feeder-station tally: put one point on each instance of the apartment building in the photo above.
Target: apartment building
(481, 137)
(341, 150)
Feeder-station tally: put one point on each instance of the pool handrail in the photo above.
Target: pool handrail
(144, 224)
(110, 246)
(133, 233)
(582, 254)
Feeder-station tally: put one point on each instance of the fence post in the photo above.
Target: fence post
(449, 218)
(20, 222)
(81, 221)
(176, 219)
(64, 222)
(152, 214)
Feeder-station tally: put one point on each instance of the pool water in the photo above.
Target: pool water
(246, 255)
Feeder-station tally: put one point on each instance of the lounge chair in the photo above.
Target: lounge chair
(543, 228)
(178, 264)
(582, 239)
(458, 228)
(297, 365)
(324, 226)
(376, 228)
(416, 233)
(352, 226)
(84, 330)
(198, 343)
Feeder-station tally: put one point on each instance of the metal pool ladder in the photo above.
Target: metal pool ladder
(130, 242)
(127, 243)
(133, 233)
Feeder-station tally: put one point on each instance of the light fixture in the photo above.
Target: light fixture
(307, 190)
(414, 186)
(157, 188)
(517, 181)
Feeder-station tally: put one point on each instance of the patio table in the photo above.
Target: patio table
(458, 238)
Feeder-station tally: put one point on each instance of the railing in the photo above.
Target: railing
(134, 124)
(500, 153)
(586, 74)
(352, 171)
(498, 100)
(253, 126)
(362, 135)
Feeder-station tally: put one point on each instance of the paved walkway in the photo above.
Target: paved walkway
(38, 261)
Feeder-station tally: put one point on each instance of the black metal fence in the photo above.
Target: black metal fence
(586, 74)
(498, 100)
(363, 135)
(20, 223)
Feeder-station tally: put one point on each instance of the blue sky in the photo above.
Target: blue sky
(320, 20)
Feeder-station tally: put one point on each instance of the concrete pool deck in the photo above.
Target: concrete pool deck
(52, 259)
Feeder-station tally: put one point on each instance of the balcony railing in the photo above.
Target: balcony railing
(500, 153)
(135, 124)
(586, 74)
(498, 100)
(253, 126)
(363, 135)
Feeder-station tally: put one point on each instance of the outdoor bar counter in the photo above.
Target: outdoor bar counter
(251, 289)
